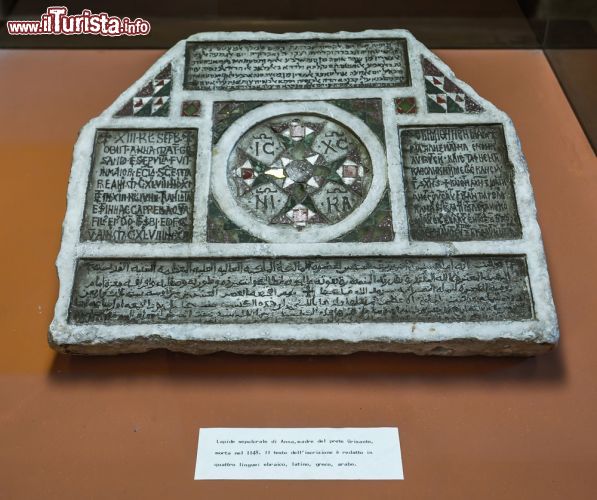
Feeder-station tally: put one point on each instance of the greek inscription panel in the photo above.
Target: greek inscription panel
(141, 186)
(299, 64)
(459, 183)
(301, 290)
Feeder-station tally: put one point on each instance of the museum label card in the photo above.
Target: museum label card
(299, 453)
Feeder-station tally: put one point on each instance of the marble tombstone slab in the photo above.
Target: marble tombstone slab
(301, 193)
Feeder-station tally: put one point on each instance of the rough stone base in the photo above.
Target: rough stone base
(462, 347)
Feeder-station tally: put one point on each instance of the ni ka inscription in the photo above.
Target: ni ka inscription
(301, 290)
(141, 186)
(459, 183)
(298, 64)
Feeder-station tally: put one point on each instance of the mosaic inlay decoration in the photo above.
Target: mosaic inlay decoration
(153, 99)
(225, 113)
(443, 95)
(309, 193)
(406, 105)
(190, 108)
(299, 170)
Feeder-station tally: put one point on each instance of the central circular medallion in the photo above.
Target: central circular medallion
(299, 170)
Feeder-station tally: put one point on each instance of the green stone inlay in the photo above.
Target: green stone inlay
(191, 108)
(164, 91)
(220, 229)
(433, 107)
(145, 110)
(368, 110)
(432, 89)
(163, 111)
(226, 113)
(406, 105)
(377, 227)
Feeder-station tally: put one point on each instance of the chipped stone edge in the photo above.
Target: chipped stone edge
(487, 338)
(448, 348)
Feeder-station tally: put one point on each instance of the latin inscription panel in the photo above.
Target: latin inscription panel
(301, 290)
(459, 183)
(298, 64)
(141, 186)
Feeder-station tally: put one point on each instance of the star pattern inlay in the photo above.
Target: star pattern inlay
(299, 170)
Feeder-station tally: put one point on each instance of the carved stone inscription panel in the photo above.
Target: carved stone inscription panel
(459, 183)
(301, 290)
(141, 186)
(301, 64)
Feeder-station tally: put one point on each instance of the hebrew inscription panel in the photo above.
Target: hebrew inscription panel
(301, 290)
(141, 186)
(298, 64)
(459, 183)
